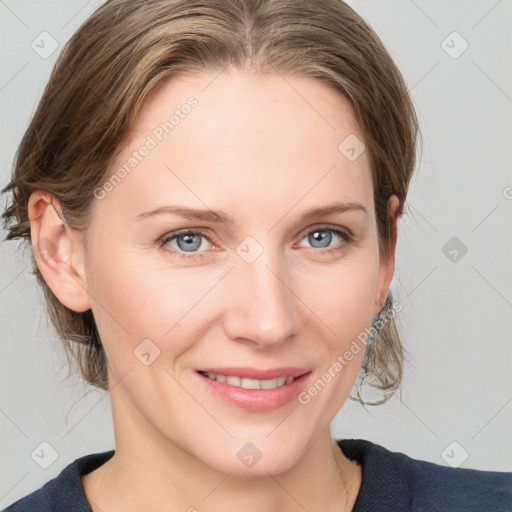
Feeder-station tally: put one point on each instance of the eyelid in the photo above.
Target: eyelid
(343, 232)
(318, 227)
(171, 235)
(186, 231)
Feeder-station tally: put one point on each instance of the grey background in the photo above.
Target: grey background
(456, 318)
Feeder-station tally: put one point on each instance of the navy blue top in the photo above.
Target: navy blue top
(392, 482)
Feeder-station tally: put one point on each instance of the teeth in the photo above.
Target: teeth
(250, 383)
(233, 381)
(268, 384)
(243, 382)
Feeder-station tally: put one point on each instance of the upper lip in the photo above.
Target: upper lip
(255, 373)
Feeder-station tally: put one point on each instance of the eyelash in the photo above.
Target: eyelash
(346, 236)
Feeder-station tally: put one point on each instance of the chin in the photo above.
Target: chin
(244, 457)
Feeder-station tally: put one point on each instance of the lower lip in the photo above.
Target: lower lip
(257, 400)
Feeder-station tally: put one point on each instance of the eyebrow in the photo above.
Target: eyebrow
(218, 216)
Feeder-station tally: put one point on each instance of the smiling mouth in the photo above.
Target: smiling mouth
(246, 383)
(255, 389)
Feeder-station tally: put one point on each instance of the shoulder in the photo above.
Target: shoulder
(65, 491)
(399, 482)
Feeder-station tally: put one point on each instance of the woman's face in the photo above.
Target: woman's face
(264, 286)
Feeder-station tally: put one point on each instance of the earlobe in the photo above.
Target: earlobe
(58, 251)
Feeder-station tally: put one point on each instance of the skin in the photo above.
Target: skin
(264, 154)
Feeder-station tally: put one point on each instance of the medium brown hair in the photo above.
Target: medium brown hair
(127, 47)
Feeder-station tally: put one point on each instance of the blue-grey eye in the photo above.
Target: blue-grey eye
(321, 236)
(189, 242)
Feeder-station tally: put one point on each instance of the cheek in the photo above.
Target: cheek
(345, 306)
(134, 300)
(343, 297)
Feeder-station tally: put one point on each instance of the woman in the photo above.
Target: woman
(212, 191)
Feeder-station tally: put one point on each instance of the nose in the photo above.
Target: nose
(262, 307)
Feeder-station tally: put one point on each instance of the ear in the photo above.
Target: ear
(58, 251)
(387, 261)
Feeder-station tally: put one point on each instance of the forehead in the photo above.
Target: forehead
(249, 136)
(251, 110)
